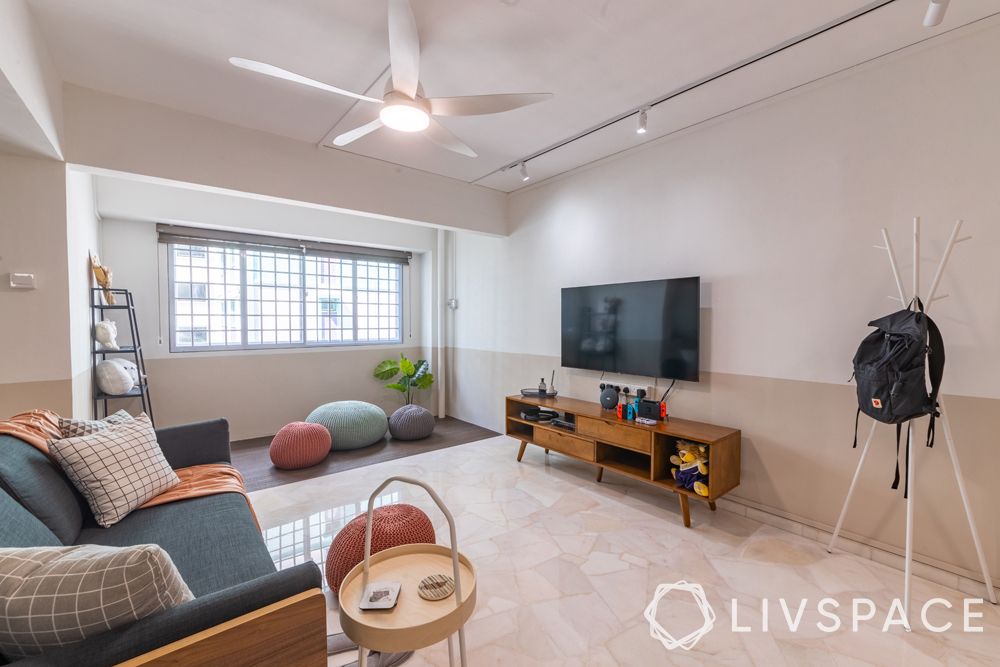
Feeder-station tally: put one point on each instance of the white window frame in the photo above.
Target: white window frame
(245, 345)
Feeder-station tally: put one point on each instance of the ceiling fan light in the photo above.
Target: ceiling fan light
(404, 117)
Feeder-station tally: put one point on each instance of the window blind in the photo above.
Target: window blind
(222, 238)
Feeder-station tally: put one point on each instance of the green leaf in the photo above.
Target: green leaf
(423, 366)
(397, 386)
(386, 370)
(424, 381)
(406, 366)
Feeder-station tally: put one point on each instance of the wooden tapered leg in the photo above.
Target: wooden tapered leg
(520, 452)
(600, 474)
(685, 510)
(711, 505)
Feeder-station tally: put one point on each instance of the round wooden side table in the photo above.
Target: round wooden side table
(414, 622)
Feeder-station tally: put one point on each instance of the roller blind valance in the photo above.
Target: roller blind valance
(221, 238)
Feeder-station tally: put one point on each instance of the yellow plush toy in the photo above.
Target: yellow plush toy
(691, 466)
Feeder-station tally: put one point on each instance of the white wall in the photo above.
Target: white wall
(35, 341)
(33, 240)
(777, 208)
(82, 239)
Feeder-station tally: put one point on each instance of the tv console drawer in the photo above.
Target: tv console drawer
(625, 436)
(567, 444)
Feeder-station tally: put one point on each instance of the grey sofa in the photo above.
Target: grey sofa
(213, 541)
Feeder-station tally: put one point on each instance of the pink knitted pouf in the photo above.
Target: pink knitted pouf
(392, 526)
(299, 445)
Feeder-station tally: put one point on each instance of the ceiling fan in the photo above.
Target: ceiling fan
(404, 107)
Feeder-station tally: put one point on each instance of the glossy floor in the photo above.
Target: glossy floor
(567, 567)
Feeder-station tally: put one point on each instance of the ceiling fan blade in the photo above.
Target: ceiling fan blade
(271, 70)
(356, 133)
(437, 133)
(404, 48)
(475, 105)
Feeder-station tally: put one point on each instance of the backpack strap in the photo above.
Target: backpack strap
(895, 480)
(935, 370)
(856, 418)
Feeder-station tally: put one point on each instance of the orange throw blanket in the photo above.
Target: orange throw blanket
(205, 480)
(36, 428)
(39, 426)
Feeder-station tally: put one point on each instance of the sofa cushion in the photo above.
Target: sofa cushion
(117, 469)
(72, 428)
(20, 528)
(213, 541)
(40, 486)
(182, 621)
(55, 596)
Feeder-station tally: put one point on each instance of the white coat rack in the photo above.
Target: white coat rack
(932, 296)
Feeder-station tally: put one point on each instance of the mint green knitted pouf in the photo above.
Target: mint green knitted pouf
(352, 424)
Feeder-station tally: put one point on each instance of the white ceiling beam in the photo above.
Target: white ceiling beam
(115, 133)
(30, 89)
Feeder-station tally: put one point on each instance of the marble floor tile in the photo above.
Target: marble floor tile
(566, 568)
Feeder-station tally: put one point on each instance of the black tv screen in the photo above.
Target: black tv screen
(645, 328)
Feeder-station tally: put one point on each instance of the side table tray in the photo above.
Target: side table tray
(413, 623)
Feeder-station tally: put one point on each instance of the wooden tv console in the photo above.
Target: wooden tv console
(634, 450)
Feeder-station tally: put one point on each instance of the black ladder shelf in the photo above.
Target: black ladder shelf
(133, 348)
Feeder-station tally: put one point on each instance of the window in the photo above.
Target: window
(232, 295)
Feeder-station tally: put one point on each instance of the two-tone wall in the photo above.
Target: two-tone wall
(777, 208)
(257, 391)
(34, 338)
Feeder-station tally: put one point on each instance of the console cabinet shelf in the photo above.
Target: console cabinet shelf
(625, 447)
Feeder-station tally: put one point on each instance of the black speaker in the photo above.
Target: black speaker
(609, 396)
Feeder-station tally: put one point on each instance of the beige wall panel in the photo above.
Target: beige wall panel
(55, 395)
(260, 393)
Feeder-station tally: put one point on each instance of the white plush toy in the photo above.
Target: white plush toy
(131, 369)
(113, 378)
(106, 333)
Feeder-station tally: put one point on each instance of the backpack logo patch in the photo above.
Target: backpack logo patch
(877, 404)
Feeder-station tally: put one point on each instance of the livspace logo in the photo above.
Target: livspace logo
(861, 611)
(687, 642)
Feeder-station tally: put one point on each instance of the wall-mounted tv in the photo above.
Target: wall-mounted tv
(645, 328)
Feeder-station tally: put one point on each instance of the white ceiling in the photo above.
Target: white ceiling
(600, 57)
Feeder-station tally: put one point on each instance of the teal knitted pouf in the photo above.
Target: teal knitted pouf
(352, 424)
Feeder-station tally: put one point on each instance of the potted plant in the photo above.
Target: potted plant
(410, 422)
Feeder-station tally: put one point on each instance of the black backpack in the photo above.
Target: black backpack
(890, 367)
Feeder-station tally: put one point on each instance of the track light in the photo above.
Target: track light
(935, 13)
(641, 129)
(524, 173)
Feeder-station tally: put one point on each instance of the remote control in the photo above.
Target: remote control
(644, 420)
